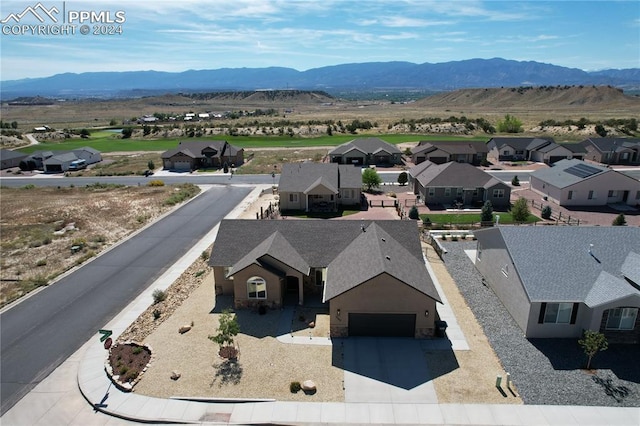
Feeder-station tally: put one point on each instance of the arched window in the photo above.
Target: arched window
(256, 288)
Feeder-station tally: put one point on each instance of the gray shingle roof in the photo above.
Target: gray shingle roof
(518, 143)
(558, 176)
(300, 177)
(609, 144)
(277, 247)
(194, 149)
(631, 268)
(318, 243)
(366, 145)
(555, 265)
(372, 253)
(451, 174)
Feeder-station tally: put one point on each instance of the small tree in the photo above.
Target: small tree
(227, 330)
(520, 210)
(600, 130)
(403, 178)
(413, 213)
(546, 212)
(486, 215)
(515, 181)
(127, 132)
(151, 165)
(592, 342)
(371, 179)
(619, 220)
(510, 124)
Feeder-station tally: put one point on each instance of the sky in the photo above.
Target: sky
(180, 35)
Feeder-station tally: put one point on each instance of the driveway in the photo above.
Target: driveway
(386, 370)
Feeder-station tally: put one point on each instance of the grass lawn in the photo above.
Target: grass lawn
(106, 142)
(471, 218)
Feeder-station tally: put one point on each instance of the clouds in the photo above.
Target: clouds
(303, 34)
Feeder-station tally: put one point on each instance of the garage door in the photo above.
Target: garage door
(182, 165)
(393, 325)
(556, 158)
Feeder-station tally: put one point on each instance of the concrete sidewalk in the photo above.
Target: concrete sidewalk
(80, 393)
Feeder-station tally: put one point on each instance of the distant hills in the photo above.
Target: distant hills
(447, 76)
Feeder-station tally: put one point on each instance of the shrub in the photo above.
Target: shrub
(454, 238)
(546, 212)
(515, 181)
(619, 220)
(158, 295)
(295, 387)
(520, 210)
(156, 182)
(486, 214)
(204, 255)
(413, 213)
(41, 262)
(156, 313)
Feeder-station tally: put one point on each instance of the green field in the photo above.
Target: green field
(106, 142)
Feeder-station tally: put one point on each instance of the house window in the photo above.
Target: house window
(570, 195)
(498, 193)
(612, 194)
(519, 152)
(624, 156)
(459, 192)
(591, 195)
(622, 318)
(558, 313)
(293, 198)
(506, 152)
(447, 192)
(638, 195)
(432, 192)
(256, 288)
(475, 192)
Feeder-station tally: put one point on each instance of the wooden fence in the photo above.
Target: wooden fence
(558, 217)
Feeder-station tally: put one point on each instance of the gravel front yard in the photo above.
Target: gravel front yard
(546, 371)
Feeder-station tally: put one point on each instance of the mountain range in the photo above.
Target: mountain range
(446, 76)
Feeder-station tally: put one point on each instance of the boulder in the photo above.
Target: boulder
(308, 386)
(175, 375)
(312, 324)
(184, 329)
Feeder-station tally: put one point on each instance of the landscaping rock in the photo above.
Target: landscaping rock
(308, 386)
(312, 324)
(184, 329)
(175, 375)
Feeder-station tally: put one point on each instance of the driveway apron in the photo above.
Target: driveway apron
(386, 370)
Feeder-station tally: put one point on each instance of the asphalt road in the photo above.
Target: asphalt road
(46, 328)
(195, 178)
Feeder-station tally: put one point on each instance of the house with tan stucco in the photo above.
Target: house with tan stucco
(557, 281)
(319, 187)
(371, 274)
(577, 183)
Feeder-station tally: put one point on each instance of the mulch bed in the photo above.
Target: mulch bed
(128, 361)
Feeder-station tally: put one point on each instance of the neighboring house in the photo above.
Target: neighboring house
(372, 273)
(202, 154)
(319, 186)
(612, 150)
(366, 151)
(558, 281)
(439, 152)
(59, 161)
(452, 183)
(553, 152)
(576, 183)
(9, 159)
(514, 149)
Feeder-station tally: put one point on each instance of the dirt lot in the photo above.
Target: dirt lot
(47, 231)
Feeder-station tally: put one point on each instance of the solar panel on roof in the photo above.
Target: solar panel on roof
(582, 170)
